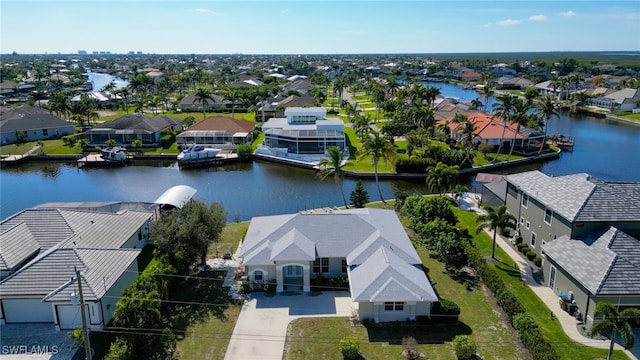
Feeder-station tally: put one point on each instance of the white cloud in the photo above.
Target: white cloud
(508, 22)
(538, 18)
(486, 25)
(567, 13)
(207, 11)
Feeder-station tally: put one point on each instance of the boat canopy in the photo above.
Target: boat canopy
(176, 196)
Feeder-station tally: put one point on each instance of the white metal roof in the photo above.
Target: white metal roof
(176, 196)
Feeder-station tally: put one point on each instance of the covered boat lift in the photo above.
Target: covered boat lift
(175, 197)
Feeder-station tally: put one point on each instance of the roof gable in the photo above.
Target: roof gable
(18, 245)
(293, 246)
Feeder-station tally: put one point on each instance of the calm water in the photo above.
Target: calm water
(99, 80)
(605, 149)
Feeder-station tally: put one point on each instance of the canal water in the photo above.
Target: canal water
(605, 149)
(99, 80)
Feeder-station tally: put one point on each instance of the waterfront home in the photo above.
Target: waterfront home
(490, 130)
(275, 107)
(128, 128)
(28, 123)
(586, 230)
(512, 83)
(218, 131)
(623, 100)
(369, 247)
(42, 247)
(301, 137)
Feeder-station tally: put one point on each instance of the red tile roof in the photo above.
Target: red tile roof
(223, 123)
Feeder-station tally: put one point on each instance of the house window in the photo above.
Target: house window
(257, 275)
(525, 200)
(528, 225)
(521, 220)
(344, 265)
(45, 132)
(321, 265)
(533, 240)
(548, 215)
(393, 306)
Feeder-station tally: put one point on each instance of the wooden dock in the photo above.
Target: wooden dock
(221, 159)
(96, 160)
(16, 159)
(561, 141)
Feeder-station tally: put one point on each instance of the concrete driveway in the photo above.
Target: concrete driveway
(34, 342)
(261, 329)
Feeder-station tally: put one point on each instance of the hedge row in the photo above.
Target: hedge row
(539, 347)
(530, 334)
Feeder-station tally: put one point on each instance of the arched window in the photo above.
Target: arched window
(257, 275)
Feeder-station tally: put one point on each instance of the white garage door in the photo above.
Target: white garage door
(27, 311)
(69, 316)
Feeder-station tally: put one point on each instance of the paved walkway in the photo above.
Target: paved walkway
(568, 322)
(261, 328)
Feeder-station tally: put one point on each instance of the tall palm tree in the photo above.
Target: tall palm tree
(125, 92)
(503, 110)
(60, 104)
(203, 96)
(361, 123)
(338, 86)
(441, 178)
(486, 92)
(333, 166)
(495, 220)
(520, 108)
(423, 116)
(378, 148)
(476, 103)
(548, 109)
(431, 94)
(613, 323)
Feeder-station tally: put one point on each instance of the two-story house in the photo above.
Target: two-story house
(586, 230)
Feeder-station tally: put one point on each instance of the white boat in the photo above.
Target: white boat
(114, 154)
(197, 153)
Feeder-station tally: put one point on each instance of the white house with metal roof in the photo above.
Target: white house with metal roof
(587, 232)
(369, 246)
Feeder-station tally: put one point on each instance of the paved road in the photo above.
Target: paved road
(261, 329)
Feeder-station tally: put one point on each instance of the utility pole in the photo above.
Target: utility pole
(85, 330)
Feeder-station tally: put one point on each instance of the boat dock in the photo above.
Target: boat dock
(16, 159)
(561, 141)
(220, 159)
(96, 160)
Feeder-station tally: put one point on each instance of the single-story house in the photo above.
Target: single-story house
(275, 107)
(219, 103)
(512, 83)
(623, 100)
(367, 246)
(221, 131)
(490, 130)
(40, 249)
(132, 127)
(28, 123)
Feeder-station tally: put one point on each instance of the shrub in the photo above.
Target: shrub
(272, 286)
(445, 311)
(521, 246)
(510, 304)
(70, 140)
(409, 350)
(525, 249)
(349, 347)
(245, 287)
(531, 255)
(506, 232)
(537, 261)
(166, 141)
(244, 151)
(464, 347)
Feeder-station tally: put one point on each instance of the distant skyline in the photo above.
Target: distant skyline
(317, 27)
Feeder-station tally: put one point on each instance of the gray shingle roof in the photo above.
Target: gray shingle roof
(18, 244)
(580, 197)
(51, 275)
(47, 226)
(293, 246)
(384, 276)
(33, 122)
(605, 263)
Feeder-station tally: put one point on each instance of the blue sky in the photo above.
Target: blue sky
(318, 27)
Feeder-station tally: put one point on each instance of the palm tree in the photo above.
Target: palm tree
(361, 123)
(486, 92)
(458, 192)
(503, 110)
(520, 108)
(468, 129)
(203, 96)
(476, 103)
(378, 148)
(333, 166)
(613, 323)
(494, 220)
(338, 86)
(125, 91)
(548, 109)
(423, 116)
(441, 178)
(60, 104)
(431, 94)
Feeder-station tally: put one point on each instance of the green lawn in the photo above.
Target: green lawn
(633, 116)
(317, 338)
(231, 236)
(480, 159)
(566, 348)
(52, 147)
